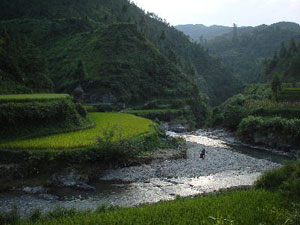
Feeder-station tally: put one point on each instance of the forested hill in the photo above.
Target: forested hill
(200, 32)
(244, 49)
(285, 63)
(109, 47)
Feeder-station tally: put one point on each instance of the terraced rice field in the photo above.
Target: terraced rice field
(146, 111)
(290, 94)
(31, 97)
(123, 126)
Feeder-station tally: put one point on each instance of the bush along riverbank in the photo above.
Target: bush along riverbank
(275, 132)
(259, 118)
(274, 200)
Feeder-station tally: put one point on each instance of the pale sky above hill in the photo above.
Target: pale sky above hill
(224, 12)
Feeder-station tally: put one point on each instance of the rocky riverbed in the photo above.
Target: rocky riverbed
(163, 179)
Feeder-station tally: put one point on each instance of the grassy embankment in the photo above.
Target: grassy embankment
(275, 200)
(237, 208)
(31, 115)
(115, 137)
(164, 110)
(124, 126)
(160, 114)
(31, 97)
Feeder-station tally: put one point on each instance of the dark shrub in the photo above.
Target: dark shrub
(285, 179)
(81, 110)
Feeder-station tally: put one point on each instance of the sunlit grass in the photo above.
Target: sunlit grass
(146, 111)
(251, 207)
(123, 125)
(31, 97)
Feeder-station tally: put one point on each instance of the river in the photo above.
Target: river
(228, 164)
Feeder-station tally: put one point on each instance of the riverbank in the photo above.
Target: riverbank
(162, 179)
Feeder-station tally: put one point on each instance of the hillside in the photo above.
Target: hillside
(114, 48)
(200, 32)
(32, 115)
(284, 63)
(22, 67)
(245, 48)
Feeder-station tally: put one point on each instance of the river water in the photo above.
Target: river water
(227, 164)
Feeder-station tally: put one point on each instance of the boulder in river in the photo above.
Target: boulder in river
(70, 179)
(34, 190)
(178, 128)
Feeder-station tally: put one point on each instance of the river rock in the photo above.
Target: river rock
(69, 179)
(48, 197)
(85, 187)
(179, 128)
(160, 180)
(34, 190)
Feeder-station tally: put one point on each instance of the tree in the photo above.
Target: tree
(292, 47)
(162, 36)
(276, 84)
(234, 33)
(79, 74)
(124, 8)
(271, 65)
(282, 51)
(199, 107)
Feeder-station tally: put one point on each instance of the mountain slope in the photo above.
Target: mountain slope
(199, 32)
(285, 63)
(22, 67)
(245, 49)
(135, 56)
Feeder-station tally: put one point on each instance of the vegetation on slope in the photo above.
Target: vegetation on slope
(284, 64)
(284, 180)
(201, 33)
(122, 125)
(135, 56)
(39, 114)
(259, 118)
(256, 129)
(245, 48)
(23, 69)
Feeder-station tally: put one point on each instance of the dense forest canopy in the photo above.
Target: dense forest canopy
(285, 63)
(244, 49)
(22, 67)
(124, 51)
(201, 33)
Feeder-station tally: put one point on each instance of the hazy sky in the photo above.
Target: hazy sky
(224, 12)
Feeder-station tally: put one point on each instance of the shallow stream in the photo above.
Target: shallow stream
(227, 164)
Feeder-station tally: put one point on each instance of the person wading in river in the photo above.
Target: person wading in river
(202, 154)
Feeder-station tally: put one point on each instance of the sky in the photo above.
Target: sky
(223, 12)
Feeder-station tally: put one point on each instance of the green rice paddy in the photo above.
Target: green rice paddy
(146, 111)
(31, 97)
(123, 126)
